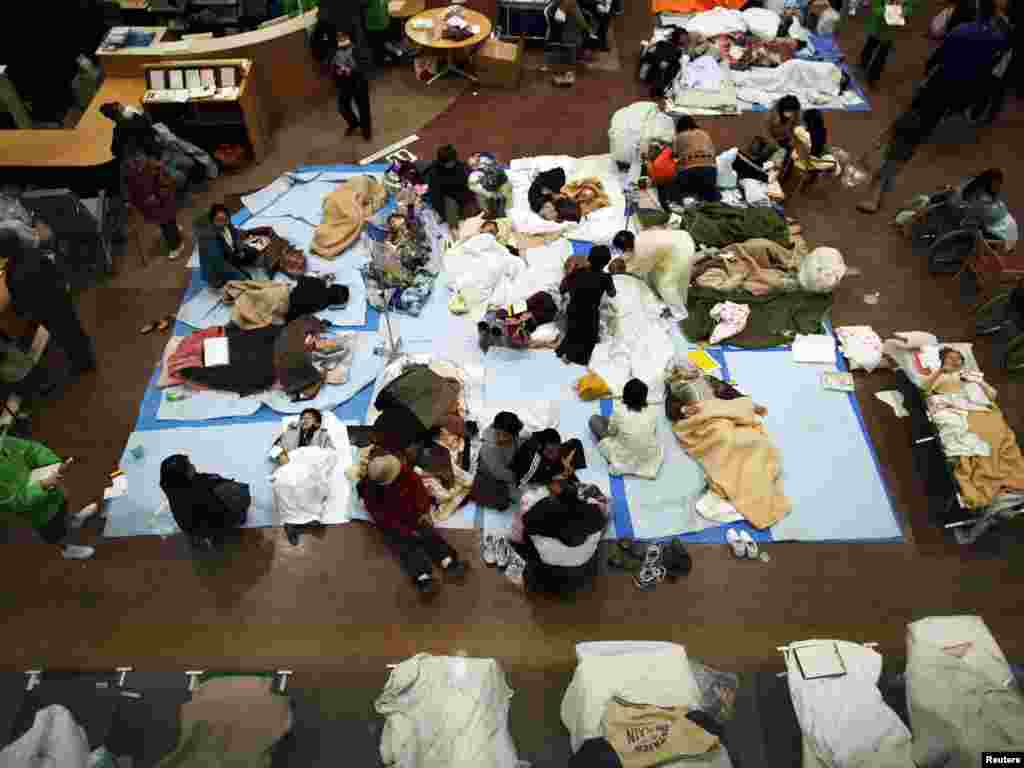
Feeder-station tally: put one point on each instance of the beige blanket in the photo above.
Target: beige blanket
(759, 266)
(257, 303)
(740, 460)
(600, 198)
(346, 209)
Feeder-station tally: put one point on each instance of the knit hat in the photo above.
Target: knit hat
(508, 422)
(384, 470)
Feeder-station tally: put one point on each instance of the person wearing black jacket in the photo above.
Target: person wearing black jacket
(202, 511)
(39, 292)
(448, 186)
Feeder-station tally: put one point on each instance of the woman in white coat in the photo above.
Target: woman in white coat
(662, 257)
(628, 439)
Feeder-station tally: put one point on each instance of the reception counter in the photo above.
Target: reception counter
(79, 157)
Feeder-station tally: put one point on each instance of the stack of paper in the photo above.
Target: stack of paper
(215, 351)
(819, 659)
(814, 348)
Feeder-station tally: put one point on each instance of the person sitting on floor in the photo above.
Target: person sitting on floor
(40, 502)
(543, 457)
(628, 439)
(202, 511)
(811, 151)
(495, 477)
(560, 538)
(783, 119)
(223, 252)
(696, 160)
(307, 430)
(586, 286)
(400, 506)
(448, 186)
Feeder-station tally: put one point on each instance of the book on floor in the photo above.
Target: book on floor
(838, 381)
(215, 351)
(818, 659)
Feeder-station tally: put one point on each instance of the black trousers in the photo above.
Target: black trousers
(873, 56)
(171, 234)
(417, 553)
(355, 89)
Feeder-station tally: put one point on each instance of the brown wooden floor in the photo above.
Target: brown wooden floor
(339, 603)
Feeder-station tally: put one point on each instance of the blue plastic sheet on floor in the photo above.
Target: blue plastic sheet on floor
(237, 450)
(830, 471)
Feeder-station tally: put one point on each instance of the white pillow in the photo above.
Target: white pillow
(762, 22)
(545, 334)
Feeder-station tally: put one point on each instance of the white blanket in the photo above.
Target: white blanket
(312, 486)
(959, 693)
(844, 720)
(598, 227)
(545, 267)
(815, 83)
(636, 341)
(481, 269)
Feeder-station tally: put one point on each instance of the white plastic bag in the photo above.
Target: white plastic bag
(302, 487)
(821, 270)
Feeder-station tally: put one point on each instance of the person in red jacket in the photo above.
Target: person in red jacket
(399, 504)
(149, 187)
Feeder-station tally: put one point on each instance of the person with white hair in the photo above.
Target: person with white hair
(400, 506)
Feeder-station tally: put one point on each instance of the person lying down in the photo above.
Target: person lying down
(723, 430)
(299, 358)
(259, 303)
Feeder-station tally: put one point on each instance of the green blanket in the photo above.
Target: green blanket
(774, 319)
(719, 225)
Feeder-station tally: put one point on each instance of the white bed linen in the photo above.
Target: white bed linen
(481, 269)
(844, 720)
(960, 706)
(815, 83)
(337, 506)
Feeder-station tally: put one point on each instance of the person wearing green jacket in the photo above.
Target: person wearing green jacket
(880, 37)
(378, 26)
(41, 502)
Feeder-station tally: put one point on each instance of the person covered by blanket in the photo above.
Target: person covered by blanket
(40, 501)
(586, 285)
(560, 537)
(495, 476)
(200, 508)
(307, 430)
(448, 186)
(697, 172)
(687, 386)
(958, 72)
(224, 252)
(628, 438)
(560, 210)
(543, 457)
(880, 37)
(950, 378)
(400, 506)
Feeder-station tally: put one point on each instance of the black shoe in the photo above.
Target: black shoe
(456, 571)
(292, 532)
(426, 587)
(988, 329)
(352, 129)
(676, 559)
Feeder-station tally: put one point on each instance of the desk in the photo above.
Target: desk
(431, 38)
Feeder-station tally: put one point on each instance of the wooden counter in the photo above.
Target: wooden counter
(288, 76)
(87, 145)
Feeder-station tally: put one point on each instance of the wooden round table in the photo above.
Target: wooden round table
(431, 38)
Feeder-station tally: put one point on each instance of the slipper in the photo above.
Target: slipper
(738, 547)
(749, 545)
(868, 206)
(148, 328)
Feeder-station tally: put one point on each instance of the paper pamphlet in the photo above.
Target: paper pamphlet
(227, 77)
(215, 352)
(158, 79)
(819, 660)
(837, 380)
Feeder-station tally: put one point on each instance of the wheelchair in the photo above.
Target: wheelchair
(1002, 318)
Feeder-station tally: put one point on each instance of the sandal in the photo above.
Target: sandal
(165, 323)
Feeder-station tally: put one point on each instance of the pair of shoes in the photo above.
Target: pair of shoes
(82, 516)
(627, 555)
(652, 572)
(77, 552)
(292, 532)
(676, 559)
(516, 569)
(456, 571)
(743, 544)
(495, 550)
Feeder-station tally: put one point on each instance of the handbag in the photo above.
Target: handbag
(236, 498)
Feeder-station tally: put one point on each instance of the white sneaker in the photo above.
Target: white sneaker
(81, 517)
(514, 571)
(78, 552)
(502, 552)
(749, 545)
(739, 548)
(489, 549)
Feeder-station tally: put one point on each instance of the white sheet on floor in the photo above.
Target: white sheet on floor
(446, 712)
(636, 341)
(815, 83)
(704, 73)
(545, 268)
(844, 719)
(482, 270)
(960, 706)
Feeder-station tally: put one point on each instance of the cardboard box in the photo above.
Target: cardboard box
(500, 63)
